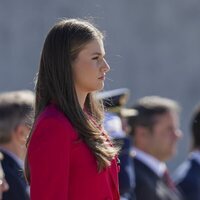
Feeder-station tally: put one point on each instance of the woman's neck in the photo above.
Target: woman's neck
(81, 98)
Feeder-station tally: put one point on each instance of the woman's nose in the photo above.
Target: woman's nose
(106, 66)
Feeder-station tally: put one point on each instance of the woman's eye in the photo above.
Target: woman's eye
(95, 58)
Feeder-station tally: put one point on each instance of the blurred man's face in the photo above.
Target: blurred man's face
(164, 136)
(3, 183)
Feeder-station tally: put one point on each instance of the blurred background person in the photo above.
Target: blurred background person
(187, 175)
(116, 126)
(15, 121)
(155, 132)
(3, 183)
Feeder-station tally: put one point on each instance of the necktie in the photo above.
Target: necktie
(168, 181)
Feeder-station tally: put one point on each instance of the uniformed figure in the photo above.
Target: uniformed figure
(187, 175)
(116, 125)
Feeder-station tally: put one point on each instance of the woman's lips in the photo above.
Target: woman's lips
(102, 78)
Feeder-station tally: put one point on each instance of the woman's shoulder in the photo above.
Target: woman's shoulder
(51, 111)
(53, 117)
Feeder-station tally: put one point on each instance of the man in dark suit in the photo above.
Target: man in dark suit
(187, 175)
(155, 131)
(14, 128)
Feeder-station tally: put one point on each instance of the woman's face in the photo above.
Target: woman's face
(90, 67)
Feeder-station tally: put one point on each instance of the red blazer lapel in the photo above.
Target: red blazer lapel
(113, 170)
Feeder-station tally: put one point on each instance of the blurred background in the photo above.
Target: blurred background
(153, 47)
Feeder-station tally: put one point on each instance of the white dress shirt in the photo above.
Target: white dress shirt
(195, 155)
(154, 164)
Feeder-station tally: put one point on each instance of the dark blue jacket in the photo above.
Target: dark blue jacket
(15, 178)
(187, 178)
(126, 174)
(149, 186)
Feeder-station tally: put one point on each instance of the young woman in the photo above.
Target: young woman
(70, 157)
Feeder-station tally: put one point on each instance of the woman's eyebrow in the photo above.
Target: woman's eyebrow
(98, 53)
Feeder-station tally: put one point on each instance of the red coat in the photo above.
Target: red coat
(63, 167)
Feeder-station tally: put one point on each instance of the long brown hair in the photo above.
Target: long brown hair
(55, 82)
